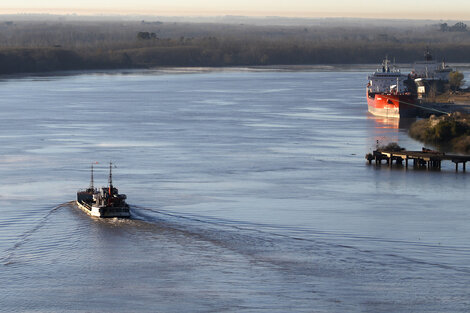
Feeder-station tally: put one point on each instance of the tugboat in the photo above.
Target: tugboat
(103, 202)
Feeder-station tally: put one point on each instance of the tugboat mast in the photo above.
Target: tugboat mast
(92, 187)
(110, 180)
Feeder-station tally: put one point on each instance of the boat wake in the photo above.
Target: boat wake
(262, 240)
(23, 238)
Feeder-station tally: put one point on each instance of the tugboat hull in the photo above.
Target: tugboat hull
(122, 212)
(103, 202)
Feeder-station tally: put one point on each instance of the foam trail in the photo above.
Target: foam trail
(7, 260)
(321, 241)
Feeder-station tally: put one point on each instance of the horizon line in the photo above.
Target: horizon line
(253, 16)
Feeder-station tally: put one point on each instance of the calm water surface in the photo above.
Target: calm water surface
(249, 192)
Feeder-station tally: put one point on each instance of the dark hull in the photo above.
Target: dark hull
(104, 212)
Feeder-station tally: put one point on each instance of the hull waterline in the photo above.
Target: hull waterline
(392, 106)
(121, 212)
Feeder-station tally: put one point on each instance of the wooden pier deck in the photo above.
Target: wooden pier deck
(425, 158)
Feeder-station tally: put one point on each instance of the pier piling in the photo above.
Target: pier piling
(421, 159)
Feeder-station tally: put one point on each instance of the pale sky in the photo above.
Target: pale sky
(408, 9)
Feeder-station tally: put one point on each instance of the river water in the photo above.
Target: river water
(249, 192)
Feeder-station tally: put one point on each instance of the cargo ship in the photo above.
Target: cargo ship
(103, 202)
(388, 95)
(430, 69)
(430, 76)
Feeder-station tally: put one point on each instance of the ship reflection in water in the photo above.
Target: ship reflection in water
(393, 123)
(386, 130)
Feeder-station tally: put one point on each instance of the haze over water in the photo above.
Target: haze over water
(249, 192)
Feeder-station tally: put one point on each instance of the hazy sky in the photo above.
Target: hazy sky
(420, 9)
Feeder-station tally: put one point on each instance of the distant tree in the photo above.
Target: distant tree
(143, 35)
(457, 27)
(146, 36)
(444, 27)
(456, 80)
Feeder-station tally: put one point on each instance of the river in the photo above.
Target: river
(249, 192)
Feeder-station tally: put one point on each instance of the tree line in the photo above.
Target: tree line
(30, 46)
(457, 27)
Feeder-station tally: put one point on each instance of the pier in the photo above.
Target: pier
(420, 159)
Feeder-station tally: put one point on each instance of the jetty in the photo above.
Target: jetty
(425, 158)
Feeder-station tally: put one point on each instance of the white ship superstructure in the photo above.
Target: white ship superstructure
(431, 69)
(387, 79)
(103, 202)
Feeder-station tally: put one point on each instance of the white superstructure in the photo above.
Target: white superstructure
(431, 69)
(387, 79)
(103, 202)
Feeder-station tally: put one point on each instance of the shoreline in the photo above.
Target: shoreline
(201, 69)
(445, 132)
(327, 67)
(198, 69)
(449, 102)
(449, 108)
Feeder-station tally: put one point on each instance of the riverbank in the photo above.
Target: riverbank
(196, 54)
(446, 103)
(447, 132)
(59, 45)
(455, 97)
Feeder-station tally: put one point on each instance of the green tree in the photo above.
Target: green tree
(456, 80)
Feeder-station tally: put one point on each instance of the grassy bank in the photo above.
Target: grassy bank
(447, 132)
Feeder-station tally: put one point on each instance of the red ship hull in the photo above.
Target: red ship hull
(392, 105)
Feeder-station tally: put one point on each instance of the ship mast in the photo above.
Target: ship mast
(110, 180)
(92, 187)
